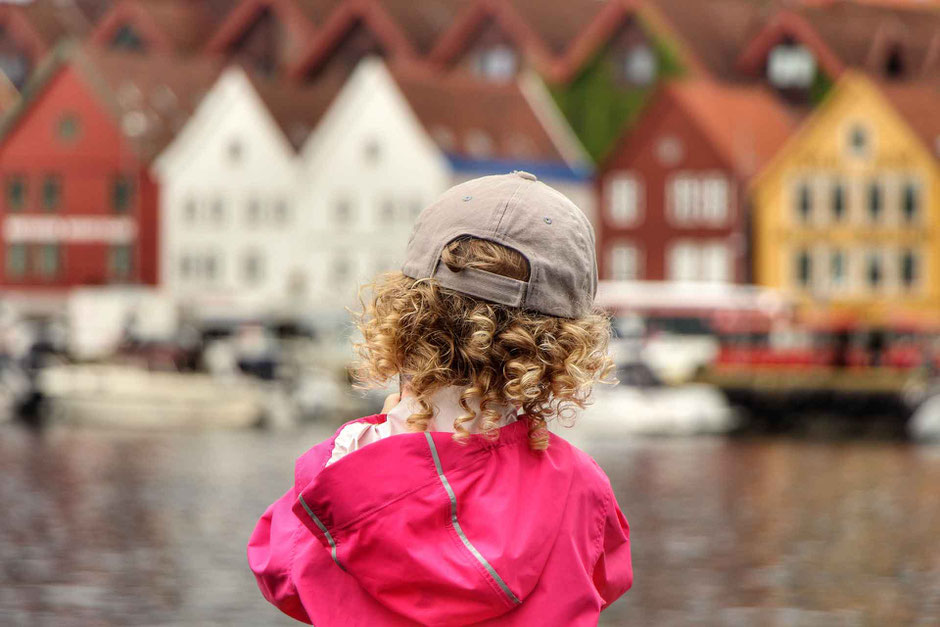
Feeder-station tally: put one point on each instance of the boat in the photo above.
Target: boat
(121, 395)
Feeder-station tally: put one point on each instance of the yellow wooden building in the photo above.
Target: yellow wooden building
(846, 217)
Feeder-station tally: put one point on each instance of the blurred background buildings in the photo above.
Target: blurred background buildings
(192, 191)
(762, 174)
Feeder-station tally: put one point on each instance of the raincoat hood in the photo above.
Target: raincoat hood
(437, 531)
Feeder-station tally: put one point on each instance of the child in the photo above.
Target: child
(456, 505)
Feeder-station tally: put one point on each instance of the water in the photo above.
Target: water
(125, 528)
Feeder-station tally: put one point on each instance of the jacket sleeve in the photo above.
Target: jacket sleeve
(270, 554)
(613, 570)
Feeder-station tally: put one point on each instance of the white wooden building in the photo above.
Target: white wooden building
(228, 200)
(283, 200)
(393, 140)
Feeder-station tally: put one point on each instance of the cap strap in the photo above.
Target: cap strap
(482, 284)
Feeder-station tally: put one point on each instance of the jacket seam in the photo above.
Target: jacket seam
(599, 530)
(462, 548)
(472, 463)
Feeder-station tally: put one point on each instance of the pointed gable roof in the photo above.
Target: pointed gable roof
(605, 21)
(716, 31)
(475, 119)
(294, 15)
(424, 22)
(297, 109)
(351, 14)
(473, 16)
(843, 33)
(918, 103)
(163, 25)
(747, 125)
(39, 25)
(150, 96)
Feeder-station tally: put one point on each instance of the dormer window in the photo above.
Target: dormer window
(640, 65)
(126, 38)
(497, 62)
(894, 63)
(790, 66)
(859, 141)
(15, 66)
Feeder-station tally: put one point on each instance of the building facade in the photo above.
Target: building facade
(229, 211)
(846, 217)
(79, 203)
(672, 194)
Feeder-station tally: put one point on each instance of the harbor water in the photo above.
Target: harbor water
(109, 527)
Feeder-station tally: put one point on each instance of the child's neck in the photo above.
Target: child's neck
(446, 403)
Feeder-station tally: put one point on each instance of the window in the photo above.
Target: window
(715, 200)
(624, 263)
(210, 267)
(683, 262)
(874, 270)
(122, 193)
(372, 151)
(186, 266)
(497, 62)
(120, 261)
(685, 197)
(910, 268)
(253, 212)
(623, 199)
(838, 201)
(189, 211)
(804, 202)
(858, 141)
(343, 211)
(640, 65)
(67, 128)
(218, 211)
(234, 150)
(804, 268)
(51, 192)
(837, 268)
(15, 66)
(894, 62)
(50, 260)
(253, 268)
(791, 66)
(280, 211)
(910, 202)
(341, 270)
(126, 38)
(16, 260)
(16, 192)
(386, 211)
(875, 201)
(716, 262)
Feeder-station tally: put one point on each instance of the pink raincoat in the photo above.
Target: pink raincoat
(419, 529)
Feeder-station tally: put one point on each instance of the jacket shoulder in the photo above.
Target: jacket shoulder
(588, 478)
(309, 464)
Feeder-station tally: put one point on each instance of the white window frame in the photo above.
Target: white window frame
(629, 218)
(693, 183)
(724, 214)
(673, 265)
(638, 260)
(783, 71)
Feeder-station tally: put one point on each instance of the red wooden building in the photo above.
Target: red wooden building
(78, 204)
(672, 193)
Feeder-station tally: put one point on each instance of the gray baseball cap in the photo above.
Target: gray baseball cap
(522, 213)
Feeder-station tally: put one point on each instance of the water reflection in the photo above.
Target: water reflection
(118, 528)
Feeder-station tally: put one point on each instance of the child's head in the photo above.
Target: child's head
(495, 297)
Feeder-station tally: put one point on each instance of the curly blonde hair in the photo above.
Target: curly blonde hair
(435, 337)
